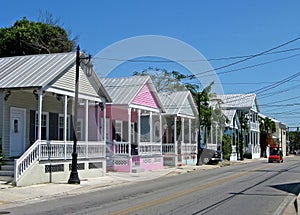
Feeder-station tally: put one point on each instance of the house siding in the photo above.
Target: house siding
(146, 98)
(26, 100)
(67, 82)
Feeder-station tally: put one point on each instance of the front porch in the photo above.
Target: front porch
(145, 156)
(51, 161)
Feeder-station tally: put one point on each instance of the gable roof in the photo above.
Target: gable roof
(123, 91)
(179, 103)
(230, 114)
(239, 101)
(42, 71)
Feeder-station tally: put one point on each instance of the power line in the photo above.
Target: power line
(192, 60)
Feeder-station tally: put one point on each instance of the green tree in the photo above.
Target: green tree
(28, 37)
(244, 129)
(266, 126)
(226, 147)
(165, 81)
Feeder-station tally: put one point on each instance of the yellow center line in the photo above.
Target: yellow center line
(170, 197)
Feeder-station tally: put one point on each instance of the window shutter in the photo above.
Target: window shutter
(32, 137)
(53, 126)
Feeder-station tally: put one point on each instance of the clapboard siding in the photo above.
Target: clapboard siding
(146, 98)
(67, 82)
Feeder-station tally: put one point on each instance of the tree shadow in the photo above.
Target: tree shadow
(292, 188)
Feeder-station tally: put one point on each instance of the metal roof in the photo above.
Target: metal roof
(39, 71)
(123, 90)
(33, 70)
(239, 101)
(180, 102)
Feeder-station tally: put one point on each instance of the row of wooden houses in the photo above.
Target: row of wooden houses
(123, 124)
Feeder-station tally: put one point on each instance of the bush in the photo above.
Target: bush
(226, 147)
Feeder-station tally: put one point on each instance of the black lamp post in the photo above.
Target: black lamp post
(74, 178)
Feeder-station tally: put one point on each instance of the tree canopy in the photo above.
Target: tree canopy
(28, 37)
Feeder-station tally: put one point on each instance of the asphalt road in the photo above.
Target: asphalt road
(252, 188)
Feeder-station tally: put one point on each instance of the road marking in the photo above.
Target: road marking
(177, 195)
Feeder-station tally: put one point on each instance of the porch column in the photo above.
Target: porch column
(175, 141)
(190, 131)
(104, 122)
(160, 133)
(65, 117)
(151, 127)
(182, 130)
(129, 131)
(175, 136)
(139, 127)
(86, 121)
(40, 109)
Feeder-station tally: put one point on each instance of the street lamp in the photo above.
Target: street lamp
(74, 179)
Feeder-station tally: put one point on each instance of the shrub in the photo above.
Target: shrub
(226, 147)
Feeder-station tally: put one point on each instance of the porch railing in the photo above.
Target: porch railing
(57, 150)
(168, 148)
(147, 148)
(188, 148)
(120, 148)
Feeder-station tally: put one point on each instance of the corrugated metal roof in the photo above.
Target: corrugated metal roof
(123, 90)
(238, 101)
(33, 70)
(180, 102)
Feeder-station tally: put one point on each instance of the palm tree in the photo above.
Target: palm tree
(267, 126)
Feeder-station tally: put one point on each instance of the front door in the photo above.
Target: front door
(17, 131)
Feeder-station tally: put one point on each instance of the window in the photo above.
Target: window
(79, 129)
(44, 126)
(61, 126)
(118, 130)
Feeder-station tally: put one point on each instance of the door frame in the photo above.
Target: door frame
(24, 128)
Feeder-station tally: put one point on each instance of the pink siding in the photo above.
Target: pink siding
(146, 98)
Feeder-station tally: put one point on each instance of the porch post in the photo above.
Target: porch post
(151, 127)
(139, 127)
(160, 132)
(86, 121)
(65, 123)
(104, 122)
(175, 141)
(182, 130)
(129, 131)
(65, 117)
(190, 131)
(40, 104)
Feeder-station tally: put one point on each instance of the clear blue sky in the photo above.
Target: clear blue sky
(217, 29)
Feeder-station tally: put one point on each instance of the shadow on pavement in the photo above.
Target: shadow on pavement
(292, 188)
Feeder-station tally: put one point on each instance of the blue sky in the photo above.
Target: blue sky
(217, 29)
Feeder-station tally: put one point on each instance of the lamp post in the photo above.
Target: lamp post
(74, 178)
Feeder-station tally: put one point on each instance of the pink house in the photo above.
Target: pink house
(134, 125)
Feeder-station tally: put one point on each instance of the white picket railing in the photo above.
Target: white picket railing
(145, 148)
(188, 148)
(120, 148)
(57, 150)
(168, 148)
(27, 159)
